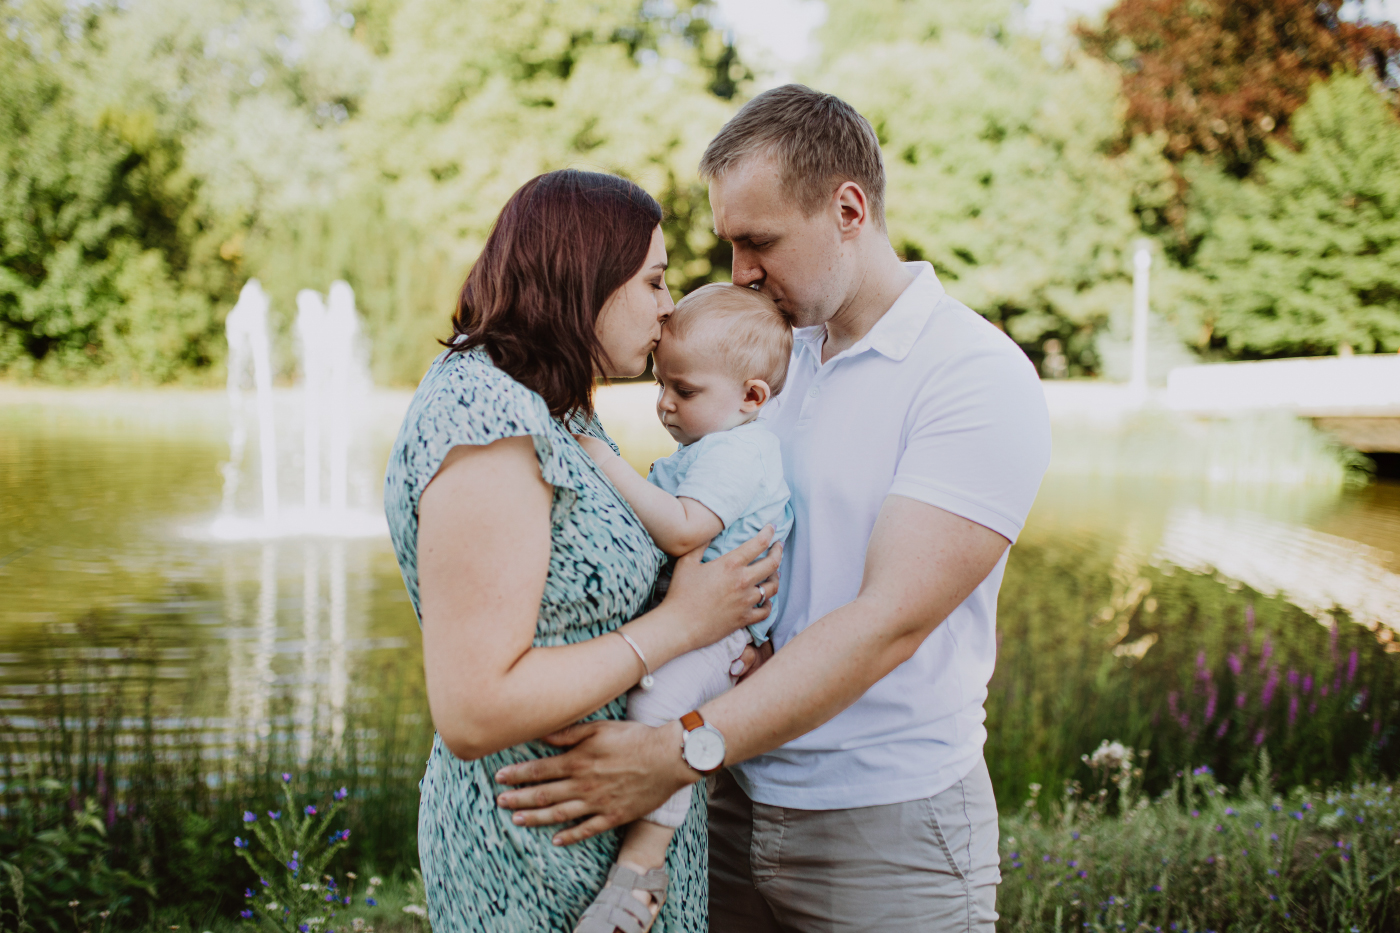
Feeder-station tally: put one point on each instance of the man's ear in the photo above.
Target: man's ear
(756, 395)
(852, 208)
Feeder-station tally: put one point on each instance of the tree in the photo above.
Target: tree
(1005, 172)
(89, 207)
(1305, 259)
(1223, 77)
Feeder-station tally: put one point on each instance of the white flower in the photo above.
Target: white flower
(415, 910)
(1111, 756)
(307, 886)
(312, 921)
(271, 905)
(375, 881)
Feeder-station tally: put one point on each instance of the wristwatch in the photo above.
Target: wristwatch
(702, 745)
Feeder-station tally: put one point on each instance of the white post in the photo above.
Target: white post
(1142, 262)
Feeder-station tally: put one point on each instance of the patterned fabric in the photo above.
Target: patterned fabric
(483, 873)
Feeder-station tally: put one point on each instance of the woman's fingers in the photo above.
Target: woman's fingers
(747, 552)
(765, 571)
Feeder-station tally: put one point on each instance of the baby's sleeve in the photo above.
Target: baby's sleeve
(726, 476)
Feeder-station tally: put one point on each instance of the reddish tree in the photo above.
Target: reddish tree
(1223, 76)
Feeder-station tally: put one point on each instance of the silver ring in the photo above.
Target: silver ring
(763, 594)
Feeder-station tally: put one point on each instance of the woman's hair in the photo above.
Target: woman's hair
(563, 244)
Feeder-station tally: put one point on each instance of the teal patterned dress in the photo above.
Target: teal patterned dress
(484, 874)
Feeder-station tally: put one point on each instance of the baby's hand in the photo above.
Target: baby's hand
(595, 448)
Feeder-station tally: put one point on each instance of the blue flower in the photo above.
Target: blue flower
(329, 898)
(341, 794)
(371, 902)
(310, 810)
(274, 814)
(240, 843)
(246, 914)
(347, 902)
(264, 881)
(286, 778)
(249, 816)
(294, 865)
(1074, 836)
(247, 892)
(302, 928)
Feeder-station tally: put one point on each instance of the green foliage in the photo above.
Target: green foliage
(1199, 858)
(1003, 172)
(1306, 258)
(295, 890)
(87, 242)
(57, 870)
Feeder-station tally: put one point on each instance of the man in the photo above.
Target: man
(914, 440)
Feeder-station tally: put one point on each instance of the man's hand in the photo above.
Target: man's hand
(615, 773)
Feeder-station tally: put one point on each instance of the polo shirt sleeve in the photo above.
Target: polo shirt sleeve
(977, 438)
(725, 476)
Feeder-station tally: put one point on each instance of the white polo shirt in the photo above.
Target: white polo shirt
(933, 404)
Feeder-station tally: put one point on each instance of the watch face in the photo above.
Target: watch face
(704, 748)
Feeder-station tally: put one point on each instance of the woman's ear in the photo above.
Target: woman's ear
(756, 395)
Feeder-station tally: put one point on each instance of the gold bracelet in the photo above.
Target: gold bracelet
(647, 679)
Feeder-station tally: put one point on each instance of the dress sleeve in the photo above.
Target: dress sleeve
(725, 476)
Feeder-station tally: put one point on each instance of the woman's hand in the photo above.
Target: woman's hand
(722, 596)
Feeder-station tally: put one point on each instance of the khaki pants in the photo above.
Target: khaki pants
(928, 865)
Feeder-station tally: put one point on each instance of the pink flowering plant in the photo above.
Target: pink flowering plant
(294, 894)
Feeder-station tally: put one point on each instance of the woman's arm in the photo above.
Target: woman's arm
(678, 525)
(483, 555)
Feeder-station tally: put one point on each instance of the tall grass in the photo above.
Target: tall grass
(119, 795)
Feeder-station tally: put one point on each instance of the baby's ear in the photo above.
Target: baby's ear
(756, 395)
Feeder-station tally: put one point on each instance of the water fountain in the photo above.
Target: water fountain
(248, 349)
(334, 387)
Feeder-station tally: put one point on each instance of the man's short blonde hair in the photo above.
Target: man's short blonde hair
(818, 139)
(743, 327)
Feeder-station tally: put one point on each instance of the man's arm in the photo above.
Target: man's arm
(920, 565)
(678, 525)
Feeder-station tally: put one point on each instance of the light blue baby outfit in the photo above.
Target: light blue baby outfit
(738, 475)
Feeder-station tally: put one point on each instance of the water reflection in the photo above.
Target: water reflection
(1114, 581)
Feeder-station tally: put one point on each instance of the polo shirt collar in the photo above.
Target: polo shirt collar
(894, 333)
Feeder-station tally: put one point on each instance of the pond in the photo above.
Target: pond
(1200, 622)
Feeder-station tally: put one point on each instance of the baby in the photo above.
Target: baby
(723, 354)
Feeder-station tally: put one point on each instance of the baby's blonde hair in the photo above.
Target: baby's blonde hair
(751, 335)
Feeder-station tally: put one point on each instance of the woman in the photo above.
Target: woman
(522, 561)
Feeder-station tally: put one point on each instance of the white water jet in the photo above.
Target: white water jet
(311, 328)
(246, 328)
(335, 388)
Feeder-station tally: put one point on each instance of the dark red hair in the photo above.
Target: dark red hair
(563, 244)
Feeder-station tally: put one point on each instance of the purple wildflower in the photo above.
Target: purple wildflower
(1307, 684)
(1083, 874)
(1210, 703)
(286, 778)
(310, 810)
(371, 902)
(1351, 666)
(1293, 678)
(1241, 699)
(1224, 728)
(249, 816)
(240, 843)
(341, 794)
(274, 814)
(1266, 653)
(1236, 666)
(246, 914)
(1269, 686)
(1259, 737)
(247, 892)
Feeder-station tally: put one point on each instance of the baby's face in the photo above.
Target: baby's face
(696, 394)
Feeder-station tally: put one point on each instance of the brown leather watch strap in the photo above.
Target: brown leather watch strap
(692, 721)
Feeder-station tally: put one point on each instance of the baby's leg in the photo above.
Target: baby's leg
(678, 687)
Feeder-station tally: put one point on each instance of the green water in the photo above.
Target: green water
(1197, 621)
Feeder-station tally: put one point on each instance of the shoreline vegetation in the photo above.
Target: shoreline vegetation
(1241, 719)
